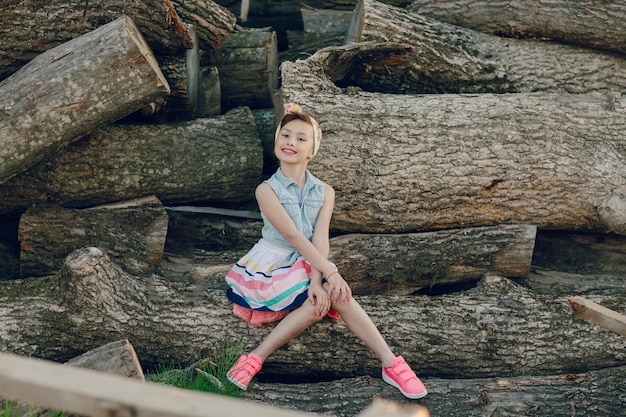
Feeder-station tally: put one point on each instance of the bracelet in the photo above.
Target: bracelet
(336, 271)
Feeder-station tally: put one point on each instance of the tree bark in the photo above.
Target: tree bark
(591, 393)
(247, 62)
(451, 59)
(406, 263)
(132, 233)
(72, 89)
(403, 163)
(498, 329)
(36, 26)
(217, 159)
(325, 21)
(591, 24)
(183, 74)
(402, 263)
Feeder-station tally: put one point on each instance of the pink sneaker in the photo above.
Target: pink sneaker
(402, 377)
(244, 370)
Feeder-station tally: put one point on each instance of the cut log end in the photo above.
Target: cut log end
(145, 50)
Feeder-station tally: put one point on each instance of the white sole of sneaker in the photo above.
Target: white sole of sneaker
(406, 394)
(239, 384)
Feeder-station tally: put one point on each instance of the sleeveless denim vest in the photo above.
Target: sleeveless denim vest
(303, 208)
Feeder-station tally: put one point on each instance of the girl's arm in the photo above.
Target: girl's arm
(278, 217)
(321, 234)
(337, 287)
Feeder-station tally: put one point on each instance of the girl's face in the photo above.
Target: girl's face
(295, 142)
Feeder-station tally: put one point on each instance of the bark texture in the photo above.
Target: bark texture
(498, 329)
(183, 74)
(248, 65)
(402, 263)
(132, 233)
(404, 163)
(30, 28)
(72, 89)
(450, 59)
(590, 24)
(215, 159)
(406, 263)
(592, 393)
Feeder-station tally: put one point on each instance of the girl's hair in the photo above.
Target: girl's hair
(295, 112)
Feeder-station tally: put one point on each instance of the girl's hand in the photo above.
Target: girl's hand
(319, 298)
(338, 289)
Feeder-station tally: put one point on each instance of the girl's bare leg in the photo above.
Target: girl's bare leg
(360, 323)
(289, 327)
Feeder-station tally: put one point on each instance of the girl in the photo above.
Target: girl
(287, 275)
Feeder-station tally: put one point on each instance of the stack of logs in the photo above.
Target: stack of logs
(130, 151)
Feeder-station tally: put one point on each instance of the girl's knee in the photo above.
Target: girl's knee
(343, 307)
(309, 310)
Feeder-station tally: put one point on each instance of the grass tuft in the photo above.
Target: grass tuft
(208, 375)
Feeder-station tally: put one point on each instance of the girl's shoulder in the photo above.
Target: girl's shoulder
(263, 188)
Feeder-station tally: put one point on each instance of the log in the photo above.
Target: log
(584, 264)
(301, 47)
(559, 395)
(37, 26)
(325, 21)
(132, 232)
(405, 163)
(600, 315)
(116, 358)
(589, 24)
(450, 59)
(211, 229)
(195, 89)
(402, 263)
(182, 73)
(178, 162)
(210, 95)
(247, 62)
(497, 329)
(86, 392)
(43, 102)
(409, 262)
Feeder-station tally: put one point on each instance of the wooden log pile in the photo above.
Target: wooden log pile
(132, 138)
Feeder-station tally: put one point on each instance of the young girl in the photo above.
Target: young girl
(287, 275)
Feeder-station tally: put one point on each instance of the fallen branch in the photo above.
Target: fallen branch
(600, 315)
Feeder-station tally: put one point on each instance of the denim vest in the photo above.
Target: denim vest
(303, 208)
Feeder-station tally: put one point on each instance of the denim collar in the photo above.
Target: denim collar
(286, 182)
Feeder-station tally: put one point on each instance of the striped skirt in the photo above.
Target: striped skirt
(269, 279)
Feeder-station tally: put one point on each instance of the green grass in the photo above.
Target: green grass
(208, 375)
(9, 410)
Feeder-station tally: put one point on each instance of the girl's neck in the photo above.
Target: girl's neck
(296, 173)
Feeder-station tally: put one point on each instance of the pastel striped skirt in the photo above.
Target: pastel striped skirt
(268, 279)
